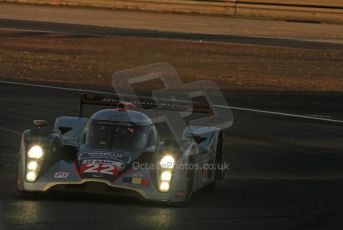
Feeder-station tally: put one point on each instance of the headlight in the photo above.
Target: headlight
(166, 176)
(35, 152)
(167, 162)
(31, 176)
(32, 165)
(164, 187)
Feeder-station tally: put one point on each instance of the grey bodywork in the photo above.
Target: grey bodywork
(66, 135)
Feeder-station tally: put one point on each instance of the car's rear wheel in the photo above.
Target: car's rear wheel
(189, 181)
(189, 188)
(218, 164)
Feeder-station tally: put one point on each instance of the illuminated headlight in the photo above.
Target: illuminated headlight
(35, 152)
(167, 162)
(32, 165)
(31, 176)
(166, 176)
(164, 186)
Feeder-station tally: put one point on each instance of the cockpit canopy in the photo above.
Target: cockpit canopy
(113, 129)
(116, 135)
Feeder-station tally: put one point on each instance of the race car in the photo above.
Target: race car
(119, 151)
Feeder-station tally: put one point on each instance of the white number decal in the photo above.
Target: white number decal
(99, 168)
(107, 169)
(91, 168)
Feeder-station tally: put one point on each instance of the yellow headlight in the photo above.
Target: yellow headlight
(167, 162)
(164, 187)
(166, 176)
(32, 165)
(31, 176)
(35, 152)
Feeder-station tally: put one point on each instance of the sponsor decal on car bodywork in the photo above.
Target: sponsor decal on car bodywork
(61, 175)
(180, 193)
(137, 180)
(118, 157)
(102, 164)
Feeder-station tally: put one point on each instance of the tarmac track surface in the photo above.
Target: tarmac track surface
(286, 173)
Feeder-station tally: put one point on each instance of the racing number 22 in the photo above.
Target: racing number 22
(99, 168)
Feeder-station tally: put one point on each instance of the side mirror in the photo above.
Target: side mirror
(40, 123)
(199, 139)
(196, 137)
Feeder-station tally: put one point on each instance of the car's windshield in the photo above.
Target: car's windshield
(116, 135)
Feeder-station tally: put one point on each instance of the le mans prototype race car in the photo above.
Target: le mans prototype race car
(106, 154)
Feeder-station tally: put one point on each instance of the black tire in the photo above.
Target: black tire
(212, 186)
(23, 192)
(218, 161)
(189, 189)
(26, 194)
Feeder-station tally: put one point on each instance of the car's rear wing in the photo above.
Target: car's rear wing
(142, 102)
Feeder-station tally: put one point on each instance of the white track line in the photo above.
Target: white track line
(282, 114)
(53, 87)
(15, 132)
(234, 108)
